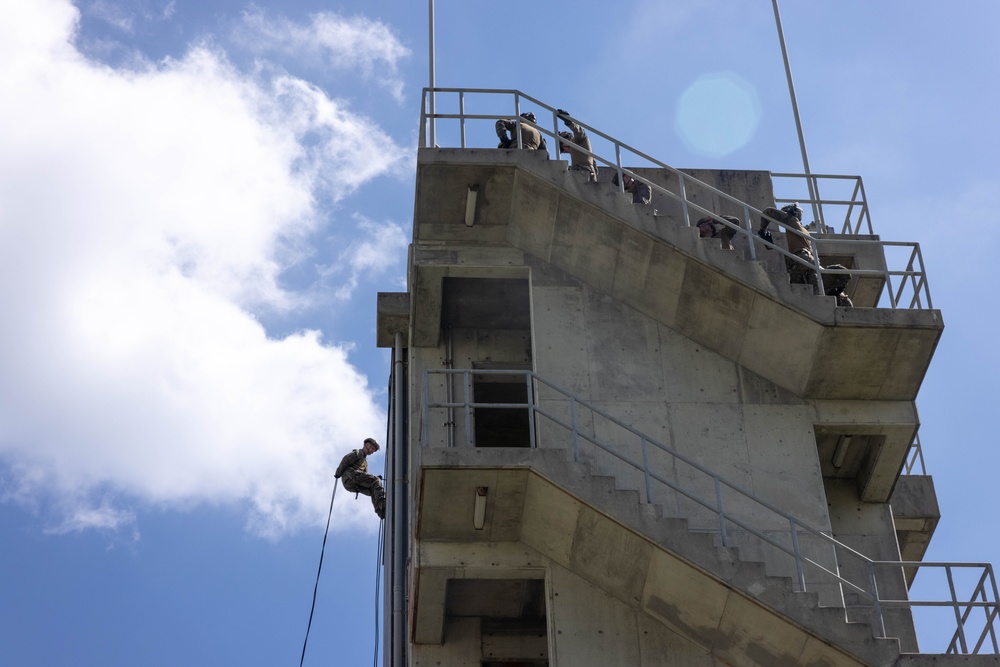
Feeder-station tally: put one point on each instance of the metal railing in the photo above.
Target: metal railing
(577, 422)
(915, 458)
(849, 198)
(907, 286)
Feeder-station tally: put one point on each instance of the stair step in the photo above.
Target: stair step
(748, 576)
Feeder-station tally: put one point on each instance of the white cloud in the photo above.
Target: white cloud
(329, 41)
(145, 217)
(377, 247)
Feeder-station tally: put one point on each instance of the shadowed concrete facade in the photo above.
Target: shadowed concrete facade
(658, 332)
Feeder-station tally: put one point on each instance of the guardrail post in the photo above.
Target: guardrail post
(529, 377)
(576, 434)
(960, 625)
(721, 510)
(876, 600)
(750, 232)
(461, 114)
(799, 570)
(682, 191)
(993, 614)
(422, 137)
(645, 470)
(466, 392)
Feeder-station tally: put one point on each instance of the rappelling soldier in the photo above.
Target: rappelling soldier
(353, 472)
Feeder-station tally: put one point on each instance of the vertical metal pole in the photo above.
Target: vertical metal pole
(817, 210)
(529, 379)
(796, 549)
(722, 512)
(751, 241)
(645, 471)
(461, 113)
(467, 396)
(576, 435)
(398, 518)
(682, 191)
(430, 60)
(387, 533)
(876, 599)
(963, 646)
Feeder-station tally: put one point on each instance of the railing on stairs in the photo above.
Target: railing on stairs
(915, 459)
(577, 422)
(904, 274)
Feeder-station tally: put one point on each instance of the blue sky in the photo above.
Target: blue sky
(199, 201)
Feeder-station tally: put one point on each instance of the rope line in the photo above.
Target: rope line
(320, 569)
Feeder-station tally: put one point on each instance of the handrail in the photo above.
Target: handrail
(914, 457)
(857, 219)
(912, 277)
(866, 589)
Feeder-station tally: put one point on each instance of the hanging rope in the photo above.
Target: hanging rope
(320, 569)
(378, 578)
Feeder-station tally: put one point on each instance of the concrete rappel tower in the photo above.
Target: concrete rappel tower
(618, 443)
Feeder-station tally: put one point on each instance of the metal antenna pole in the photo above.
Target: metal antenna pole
(430, 59)
(813, 196)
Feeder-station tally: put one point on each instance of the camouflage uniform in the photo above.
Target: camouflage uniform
(578, 159)
(801, 246)
(530, 137)
(709, 227)
(353, 473)
(641, 193)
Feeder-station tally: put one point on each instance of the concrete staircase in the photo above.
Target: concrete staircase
(744, 310)
(604, 534)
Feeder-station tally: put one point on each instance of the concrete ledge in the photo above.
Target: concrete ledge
(717, 298)
(916, 514)
(540, 500)
(393, 316)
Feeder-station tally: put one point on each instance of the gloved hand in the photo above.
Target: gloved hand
(766, 235)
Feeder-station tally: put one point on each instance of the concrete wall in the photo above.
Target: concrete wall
(586, 627)
(643, 373)
(868, 529)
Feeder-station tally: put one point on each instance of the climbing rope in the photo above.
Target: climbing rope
(320, 569)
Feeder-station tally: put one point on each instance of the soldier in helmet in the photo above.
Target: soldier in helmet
(641, 192)
(353, 472)
(579, 160)
(530, 136)
(800, 245)
(710, 228)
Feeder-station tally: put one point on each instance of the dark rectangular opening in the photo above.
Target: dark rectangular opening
(501, 427)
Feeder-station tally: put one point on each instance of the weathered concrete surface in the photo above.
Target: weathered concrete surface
(717, 298)
(544, 514)
(699, 348)
(915, 514)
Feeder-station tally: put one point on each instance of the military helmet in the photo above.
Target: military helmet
(793, 209)
(528, 116)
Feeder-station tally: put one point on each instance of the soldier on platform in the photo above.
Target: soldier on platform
(800, 245)
(641, 193)
(579, 160)
(710, 228)
(530, 136)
